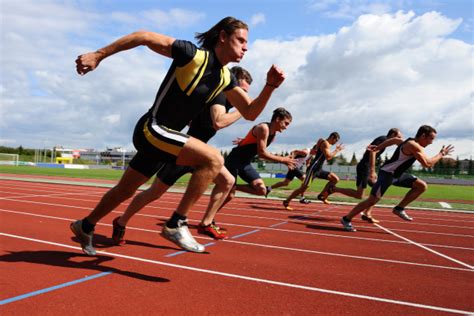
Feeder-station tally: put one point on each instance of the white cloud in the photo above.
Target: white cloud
(351, 9)
(383, 71)
(257, 19)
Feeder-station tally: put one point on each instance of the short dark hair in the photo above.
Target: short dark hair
(425, 130)
(209, 38)
(281, 113)
(335, 135)
(393, 131)
(241, 74)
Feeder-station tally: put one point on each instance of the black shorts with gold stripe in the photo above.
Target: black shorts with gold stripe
(155, 145)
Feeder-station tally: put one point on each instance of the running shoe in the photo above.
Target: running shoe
(286, 204)
(212, 231)
(323, 198)
(347, 225)
(118, 232)
(84, 239)
(402, 214)
(268, 190)
(304, 200)
(369, 219)
(182, 237)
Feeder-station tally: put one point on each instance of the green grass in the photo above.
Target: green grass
(435, 192)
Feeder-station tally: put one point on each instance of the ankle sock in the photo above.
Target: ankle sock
(398, 208)
(86, 226)
(173, 221)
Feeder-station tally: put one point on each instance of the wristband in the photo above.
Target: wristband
(271, 85)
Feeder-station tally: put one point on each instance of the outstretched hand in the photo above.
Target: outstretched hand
(290, 162)
(237, 141)
(275, 76)
(87, 62)
(446, 150)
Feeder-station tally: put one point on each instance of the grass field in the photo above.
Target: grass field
(462, 195)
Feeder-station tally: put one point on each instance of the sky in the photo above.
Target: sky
(357, 67)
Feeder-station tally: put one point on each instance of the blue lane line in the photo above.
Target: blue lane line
(49, 289)
(184, 251)
(245, 234)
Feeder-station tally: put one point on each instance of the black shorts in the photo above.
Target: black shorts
(291, 174)
(310, 176)
(362, 178)
(170, 173)
(386, 179)
(156, 145)
(244, 170)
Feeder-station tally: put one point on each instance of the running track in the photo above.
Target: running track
(276, 262)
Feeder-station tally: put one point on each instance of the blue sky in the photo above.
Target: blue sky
(357, 67)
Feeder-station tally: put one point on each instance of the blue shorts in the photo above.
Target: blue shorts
(243, 170)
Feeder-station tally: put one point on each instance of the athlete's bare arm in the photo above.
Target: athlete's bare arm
(251, 109)
(326, 149)
(418, 152)
(262, 132)
(387, 143)
(159, 43)
(220, 118)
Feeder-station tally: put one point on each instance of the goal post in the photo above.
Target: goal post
(9, 159)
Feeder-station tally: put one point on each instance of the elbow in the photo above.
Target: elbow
(218, 126)
(249, 117)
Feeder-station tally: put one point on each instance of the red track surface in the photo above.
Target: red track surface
(292, 263)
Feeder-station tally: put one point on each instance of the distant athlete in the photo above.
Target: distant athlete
(393, 172)
(366, 172)
(315, 170)
(302, 157)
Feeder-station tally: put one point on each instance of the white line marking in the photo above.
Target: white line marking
(445, 205)
(426, 248)
(266, 246)
(259, 217)
(248, 278)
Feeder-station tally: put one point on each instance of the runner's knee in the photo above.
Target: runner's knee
(420, 185)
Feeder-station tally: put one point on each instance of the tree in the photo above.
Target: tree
(353, 160)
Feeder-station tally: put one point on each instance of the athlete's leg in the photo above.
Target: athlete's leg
(207, 162)
(155, 191)
(127, 186)
(224, 184)
(418, 187)
(333, 179)
(256, 187)
(280, 184)
(357, 194)
(364, 205)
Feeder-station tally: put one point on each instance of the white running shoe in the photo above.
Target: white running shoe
(402, 214)
(182, 237)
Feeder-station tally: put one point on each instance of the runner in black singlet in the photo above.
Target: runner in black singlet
(215, 116)
(196, 77)
(393, 172)
(315, 169)
(366, 174)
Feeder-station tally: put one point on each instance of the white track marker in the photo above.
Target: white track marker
(253, 279)
(445, 205)
(426, 248)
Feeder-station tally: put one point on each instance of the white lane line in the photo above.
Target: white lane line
(426, 248)
(253, 279)
(445, 205)
(267, 246)
(259, 217)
